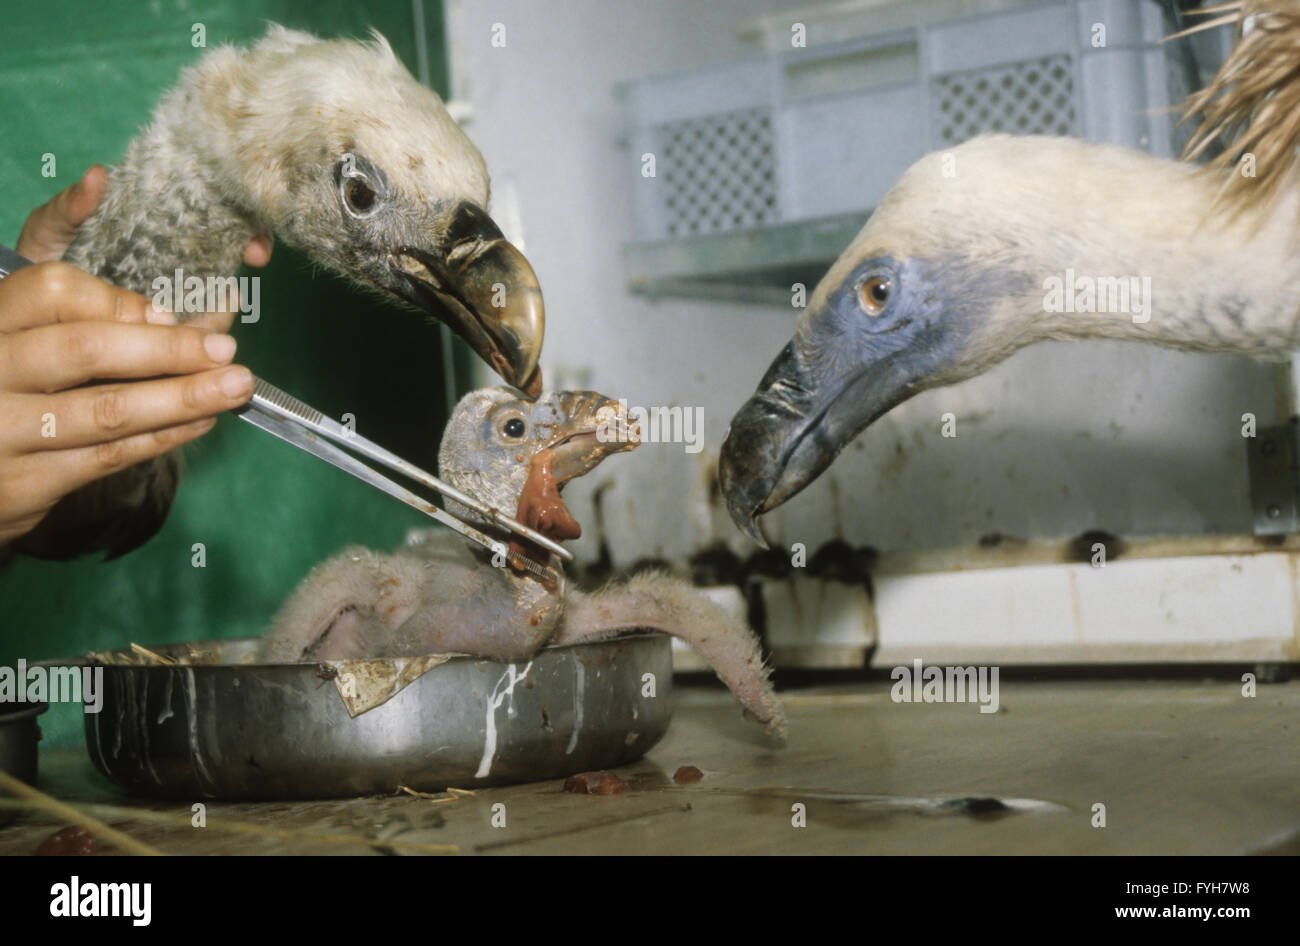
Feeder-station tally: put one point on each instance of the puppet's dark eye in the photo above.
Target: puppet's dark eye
(359, 195)
(513, 428)
(362, 186)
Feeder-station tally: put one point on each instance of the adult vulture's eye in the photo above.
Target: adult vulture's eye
(513, 428)
(873, 294)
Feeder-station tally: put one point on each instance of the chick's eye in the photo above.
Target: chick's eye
(359, 195)
(873, 294)
(513, 428)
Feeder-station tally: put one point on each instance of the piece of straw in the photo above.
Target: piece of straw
(65, 812)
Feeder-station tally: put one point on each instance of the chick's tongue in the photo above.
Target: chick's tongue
(540, 506)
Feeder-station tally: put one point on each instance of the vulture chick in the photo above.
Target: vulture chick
(443, 594)
(333, 146)
(1004, 241)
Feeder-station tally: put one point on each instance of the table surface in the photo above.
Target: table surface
(1181, 766)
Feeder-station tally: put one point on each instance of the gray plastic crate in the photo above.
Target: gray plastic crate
(825, 131)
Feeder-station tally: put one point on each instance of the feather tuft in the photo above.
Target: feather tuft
(1252, 105)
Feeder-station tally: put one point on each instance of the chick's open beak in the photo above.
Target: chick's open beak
(595, 428)
(481, 286)
(591, 427)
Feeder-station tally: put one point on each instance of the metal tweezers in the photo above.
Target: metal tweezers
(308, 429)
(294, 422)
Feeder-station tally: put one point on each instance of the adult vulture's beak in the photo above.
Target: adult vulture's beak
(481, 286)
(796, 423)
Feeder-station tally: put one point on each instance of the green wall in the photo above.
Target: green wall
(77, 79)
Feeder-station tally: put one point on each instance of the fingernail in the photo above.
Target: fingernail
(236, 381)
(219, 347)
(157, 315)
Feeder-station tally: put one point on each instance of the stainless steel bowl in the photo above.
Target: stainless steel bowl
(233, 729)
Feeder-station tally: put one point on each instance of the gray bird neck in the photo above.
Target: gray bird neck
(164, 211)
(534, 610)
(452, 466)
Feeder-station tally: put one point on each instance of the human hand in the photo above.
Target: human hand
(61, 328)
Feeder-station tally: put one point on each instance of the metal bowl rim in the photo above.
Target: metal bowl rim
(313, 664)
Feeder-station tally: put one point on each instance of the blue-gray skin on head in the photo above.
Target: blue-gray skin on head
(879, 336)
(493, 435)
(488, 432)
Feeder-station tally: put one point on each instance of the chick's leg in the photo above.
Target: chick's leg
(345, 608)
(661, 603)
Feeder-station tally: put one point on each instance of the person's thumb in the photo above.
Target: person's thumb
(50, 227)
